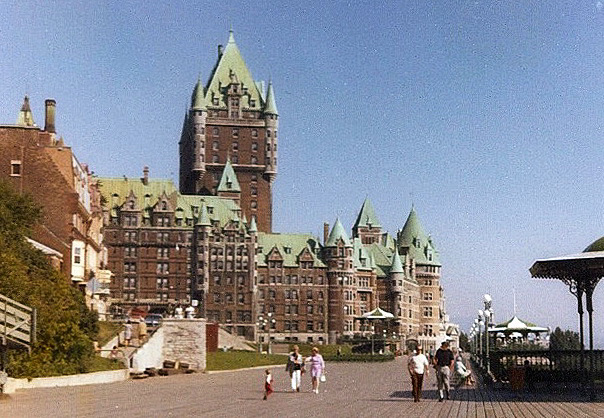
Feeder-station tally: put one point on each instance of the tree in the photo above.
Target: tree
(464, 342)
(564, 340)
(64, 338)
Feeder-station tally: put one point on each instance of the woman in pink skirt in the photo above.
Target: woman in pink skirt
(317, 368)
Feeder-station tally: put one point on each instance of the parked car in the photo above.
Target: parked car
(153, 320)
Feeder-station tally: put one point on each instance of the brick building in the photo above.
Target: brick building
(211, 240)
(35, 162)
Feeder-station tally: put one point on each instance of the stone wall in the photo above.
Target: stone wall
(185, 341)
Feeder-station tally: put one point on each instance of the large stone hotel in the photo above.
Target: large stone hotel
(211, 239)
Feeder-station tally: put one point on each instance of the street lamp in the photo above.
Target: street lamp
(488, 314)
(372, 334)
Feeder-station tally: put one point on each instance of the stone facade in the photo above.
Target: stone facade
(185, 341)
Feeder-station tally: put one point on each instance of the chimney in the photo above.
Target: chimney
(219, 51)
(49, 122)
(325, 232)
(145, 175)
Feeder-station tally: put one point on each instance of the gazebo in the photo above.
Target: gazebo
(514, 327)
(375, 315)
(581, 273)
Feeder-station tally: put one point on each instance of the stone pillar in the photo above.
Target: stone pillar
(185, 341)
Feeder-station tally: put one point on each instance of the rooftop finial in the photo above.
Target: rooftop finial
(231, 36)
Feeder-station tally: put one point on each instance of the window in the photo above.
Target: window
(77, 258)
(254, 160)
(215, 158)
(254, 192)
(15, 168)
(235, 146)
(428, 296)
(254, 134)
(215, 132)
(427, 311)
(253, 204)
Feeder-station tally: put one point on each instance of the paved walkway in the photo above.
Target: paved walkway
(351, 390)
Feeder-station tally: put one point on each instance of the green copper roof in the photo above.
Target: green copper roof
(253, 226)
(597, 245)
(228, 182)
(367, 216)
(198, 99)
(203, 219)
(381, 258)
(271, 106)
(25, 117)
(187, 207)
(419, 244)
(290, 246)
(231, 67)
(397, 266)
(361, 259)
(336, 234)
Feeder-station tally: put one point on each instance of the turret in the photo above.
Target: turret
(25, 117)
(271, 117)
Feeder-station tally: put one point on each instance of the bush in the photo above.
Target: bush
(65, 326)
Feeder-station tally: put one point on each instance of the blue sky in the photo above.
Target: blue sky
(486, 114)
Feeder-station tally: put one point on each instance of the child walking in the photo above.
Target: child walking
(268, 384)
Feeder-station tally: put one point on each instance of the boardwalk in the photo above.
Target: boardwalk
(352, 390)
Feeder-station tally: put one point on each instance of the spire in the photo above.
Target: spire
(199, 101)
(25, 118)
(397, 266)
(204, 219)
(228, 182)
(253, 227)
(367, 216)
(412, 230)
(271, 106)
(336, 234)
(231, 61)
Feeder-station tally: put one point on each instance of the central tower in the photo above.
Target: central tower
(232, 119)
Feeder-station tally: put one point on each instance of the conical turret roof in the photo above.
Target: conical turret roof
(367, 216)
(336, 234)
(25, 118)
(204, 219)
(253, 226)
(271, 105)
(418, 243)
(198, 101)
(397, 265)
(229, 182)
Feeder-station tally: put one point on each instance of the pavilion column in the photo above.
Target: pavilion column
(589, 303)
(581, 335)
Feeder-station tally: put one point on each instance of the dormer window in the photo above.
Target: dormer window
(164, 205)
(210, 210)
(288, 250)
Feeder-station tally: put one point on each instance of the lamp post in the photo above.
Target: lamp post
(270, 322)
(488, 315)
(372, 334)
(261, 323)
(480, 325)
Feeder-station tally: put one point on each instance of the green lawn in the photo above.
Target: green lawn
(326, 350)
(107, 330)
(101, 364)
(240, 359)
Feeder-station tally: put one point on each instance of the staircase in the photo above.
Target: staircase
(17, 324)
(230, 341)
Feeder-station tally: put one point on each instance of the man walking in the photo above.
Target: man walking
(418, 367)
(443, 361)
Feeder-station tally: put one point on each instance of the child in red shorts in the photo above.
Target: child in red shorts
(268, 384)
